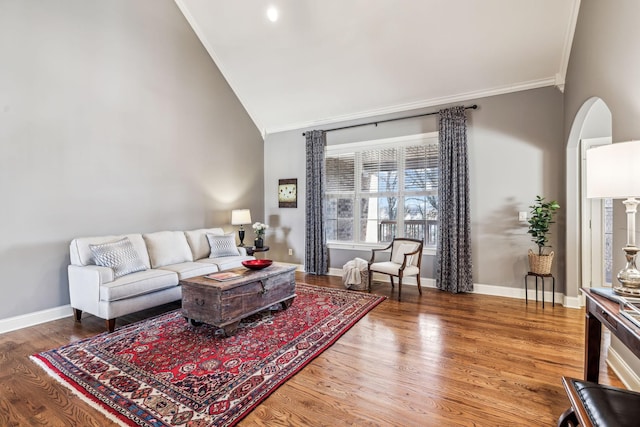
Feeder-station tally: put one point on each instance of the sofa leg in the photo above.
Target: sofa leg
(111, 325)
(77, 314)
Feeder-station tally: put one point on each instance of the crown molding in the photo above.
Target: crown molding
(568, 42)
(501, 90)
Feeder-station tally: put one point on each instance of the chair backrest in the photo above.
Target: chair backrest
(403, 245)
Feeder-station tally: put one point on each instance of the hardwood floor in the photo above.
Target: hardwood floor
(435, 360)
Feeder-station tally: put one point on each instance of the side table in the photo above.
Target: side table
(252, 249)
(542, 277)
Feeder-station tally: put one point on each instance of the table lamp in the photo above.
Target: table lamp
(612, 172)
(240, 217)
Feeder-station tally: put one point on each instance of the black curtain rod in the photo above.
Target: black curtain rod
(470, 107)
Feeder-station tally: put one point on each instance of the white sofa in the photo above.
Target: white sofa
(167, 258)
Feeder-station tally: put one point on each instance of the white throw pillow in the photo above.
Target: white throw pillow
(120, 256)
(403, 248)
(167, 248)
(222, 245)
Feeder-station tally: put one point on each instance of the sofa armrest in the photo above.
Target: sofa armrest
(84, 285)
(242, 250)
(105, 274)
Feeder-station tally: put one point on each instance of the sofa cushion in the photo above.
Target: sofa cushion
(80, 253)
(120, 256)
(221, 246)
(198, 242)
(167, 247)
(191, 269)
(140, 283)
(226, 262)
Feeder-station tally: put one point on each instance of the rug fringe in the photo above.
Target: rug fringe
(110, 416)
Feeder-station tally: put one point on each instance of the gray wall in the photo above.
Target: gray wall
(516, 152)
(113, 119)
(604, 62)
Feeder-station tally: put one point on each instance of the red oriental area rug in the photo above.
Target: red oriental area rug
(165, 372)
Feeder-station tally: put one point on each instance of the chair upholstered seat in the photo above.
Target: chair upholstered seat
(405, 259)
(388, 267)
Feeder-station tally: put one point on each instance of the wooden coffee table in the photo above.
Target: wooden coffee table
(225, 303)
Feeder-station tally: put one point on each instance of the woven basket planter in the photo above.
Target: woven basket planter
(540, 264)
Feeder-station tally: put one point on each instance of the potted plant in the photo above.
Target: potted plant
(259, 228)
(542, 214)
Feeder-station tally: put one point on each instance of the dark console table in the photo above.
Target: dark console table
(602, 311)
(592, 403)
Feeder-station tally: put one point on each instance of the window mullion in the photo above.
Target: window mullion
(400, 172)
(357, 194)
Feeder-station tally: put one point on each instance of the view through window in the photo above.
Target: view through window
(376, 190)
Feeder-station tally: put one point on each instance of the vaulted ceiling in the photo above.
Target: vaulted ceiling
(324, 61)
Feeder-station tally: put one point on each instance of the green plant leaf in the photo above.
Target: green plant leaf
(542, 214)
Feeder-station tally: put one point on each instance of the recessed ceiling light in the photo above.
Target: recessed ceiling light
(272, 14)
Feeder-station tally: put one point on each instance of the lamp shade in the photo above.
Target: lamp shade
(612, 171)
(240, 217)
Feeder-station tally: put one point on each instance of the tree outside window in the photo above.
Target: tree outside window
(391, 186)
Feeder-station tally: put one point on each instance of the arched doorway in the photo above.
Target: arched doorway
(592, 122)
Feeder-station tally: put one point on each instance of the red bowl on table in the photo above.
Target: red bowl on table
(257, 264)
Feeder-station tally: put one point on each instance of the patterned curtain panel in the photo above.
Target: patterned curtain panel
(453, 256)
(316, 254)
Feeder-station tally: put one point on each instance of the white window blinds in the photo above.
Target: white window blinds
(379, 189)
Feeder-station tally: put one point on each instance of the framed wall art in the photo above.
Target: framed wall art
(288, 193)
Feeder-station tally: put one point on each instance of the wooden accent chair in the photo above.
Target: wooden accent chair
(405, 260)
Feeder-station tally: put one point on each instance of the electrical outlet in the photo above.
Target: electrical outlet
(522, 216)
(290, 251)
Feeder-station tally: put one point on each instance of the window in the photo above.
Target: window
(376, 190)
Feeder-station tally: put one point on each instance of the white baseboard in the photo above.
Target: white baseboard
(299, 267)
(573, 302)
(629, 378)
(479, 288)
(519, 293)
(30, 319)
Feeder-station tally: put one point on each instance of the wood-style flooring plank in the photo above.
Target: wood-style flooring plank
(433, 360)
